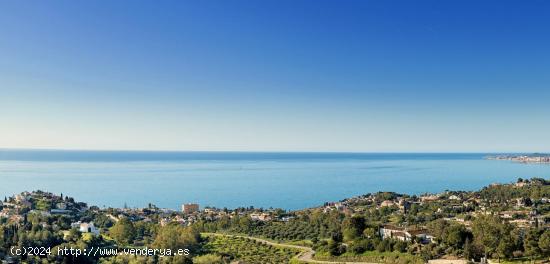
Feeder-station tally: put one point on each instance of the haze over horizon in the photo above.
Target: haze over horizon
(2, 149)
(351, 76)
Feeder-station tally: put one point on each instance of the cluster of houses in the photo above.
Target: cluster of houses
(191, 213)
(338, 206)
(459, 207)
(403, 203)
(405, 234)
(14, 208)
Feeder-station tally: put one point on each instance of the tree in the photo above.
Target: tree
(334, 248)
(544, 243)
(123, 231)
(507, 242)
(369, 232)
(74, 235)
(531, 244)
(336, 236)
(505, 247)
(176, 237)
(400, 246)
(486, 231)
(469, 252)
(353, 227)
(358, 246)
(438, 227)
(455, 236)
(384, 245)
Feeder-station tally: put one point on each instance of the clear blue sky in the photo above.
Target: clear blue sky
(276, 75)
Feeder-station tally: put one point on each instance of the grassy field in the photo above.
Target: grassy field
(247, 250)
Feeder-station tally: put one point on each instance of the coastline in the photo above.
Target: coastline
(532, 158)
(287, 182)
(513, 206)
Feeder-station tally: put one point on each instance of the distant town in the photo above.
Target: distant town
(532, 158)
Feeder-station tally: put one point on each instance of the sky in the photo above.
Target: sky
(299, 75)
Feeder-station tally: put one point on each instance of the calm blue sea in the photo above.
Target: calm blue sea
(232, 179)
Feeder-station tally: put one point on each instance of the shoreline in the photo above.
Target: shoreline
(527, 159)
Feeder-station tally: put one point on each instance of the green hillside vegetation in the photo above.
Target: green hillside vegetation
(505, 222)
(247, 250)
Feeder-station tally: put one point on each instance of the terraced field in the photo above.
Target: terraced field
(249, 250)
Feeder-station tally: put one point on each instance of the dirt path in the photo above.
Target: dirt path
(306, 254)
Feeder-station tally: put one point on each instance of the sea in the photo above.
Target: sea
(289, 181)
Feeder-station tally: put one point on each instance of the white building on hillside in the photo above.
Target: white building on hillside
(86, 227)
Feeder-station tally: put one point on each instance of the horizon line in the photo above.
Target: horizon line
(270, 151)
